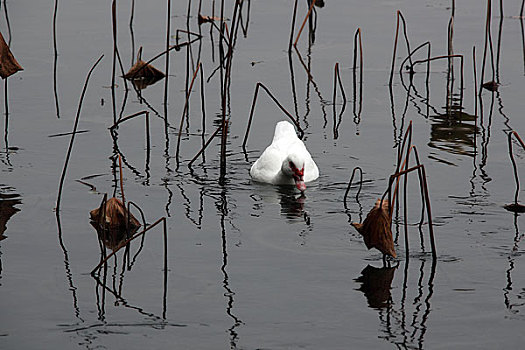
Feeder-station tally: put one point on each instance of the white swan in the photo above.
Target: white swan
(286, 161)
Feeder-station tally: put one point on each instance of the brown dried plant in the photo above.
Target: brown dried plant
(8, 63)
(376, 229)
(112, 214)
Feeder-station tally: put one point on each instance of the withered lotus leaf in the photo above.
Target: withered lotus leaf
(490, 85)
(141, 70)
(515, 207)
(207, 19)
(376, 229)
(8, 64)
(8, 208)
(116, 215)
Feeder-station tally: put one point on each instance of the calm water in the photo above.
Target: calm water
(252, 266)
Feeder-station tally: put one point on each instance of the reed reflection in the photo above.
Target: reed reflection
(116, 228)
(512, 296)
(403, 323)
(222, 207)
(454, 132)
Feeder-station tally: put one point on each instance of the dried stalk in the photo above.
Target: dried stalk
(68, 154)
(350, 182)
(515, 206)
(114, 66)
(166, 66)
(447, 57)
(184, 112)
(475, 91)
(225, 88)
(357, 115)
(403, 170)
(399, 15)
(126, 242)
(203, 109)
(294, 16)
(304, 22)
(205, 146)
(337, 80)
(488, 44)
(261, 85)
(147, 127)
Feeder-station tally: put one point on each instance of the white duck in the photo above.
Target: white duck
(286, 161)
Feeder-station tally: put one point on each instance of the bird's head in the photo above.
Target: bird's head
(293, 166)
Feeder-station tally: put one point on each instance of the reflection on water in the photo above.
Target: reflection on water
(514, 297)
(112, 238)
(403, 323)
(376, 284)
(222, 207)
(454, 133)
(8, 203)
(292, 204)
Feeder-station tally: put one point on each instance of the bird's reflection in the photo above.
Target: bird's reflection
(376, 284)
(8, 208)
(292, 203)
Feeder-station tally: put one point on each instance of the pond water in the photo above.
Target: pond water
(253, 266)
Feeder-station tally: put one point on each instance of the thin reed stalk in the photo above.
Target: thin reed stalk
(205, 146)
(294, 16)
(226, 87)
(399, 16)
(475, 89)
(447, 57)
(114, 65)
(350, 182)
(304, 22)
(55, 61)
(357, 114)
(166, 65)
(402, 169)
(255, 95)
(337, 80)
(487, 45)
(147, 128)
(203, 109)
(186, 104)
(514, 166)
(75, 126)
(127, 241)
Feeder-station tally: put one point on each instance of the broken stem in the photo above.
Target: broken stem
(261, 85)
(350, 184)
(304, 22)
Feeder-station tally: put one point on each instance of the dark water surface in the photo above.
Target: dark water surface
(252, 266)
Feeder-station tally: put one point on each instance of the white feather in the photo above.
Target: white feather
(268, 168)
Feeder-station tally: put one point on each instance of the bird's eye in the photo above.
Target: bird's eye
(291, 164)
